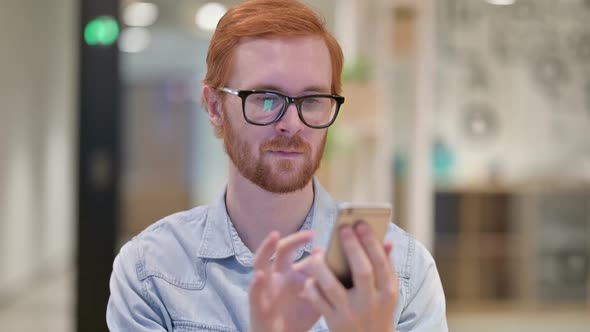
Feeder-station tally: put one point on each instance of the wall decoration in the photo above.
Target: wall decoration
(480, 121)
(580, 43)
(507, 45)
(527, 63)
(477, 75)
(464, 13)
(525, 10)
(550, 73)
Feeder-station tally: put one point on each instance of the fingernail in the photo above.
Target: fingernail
(361, 227)
(345, 231)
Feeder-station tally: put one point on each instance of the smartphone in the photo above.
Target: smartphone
(377, 216)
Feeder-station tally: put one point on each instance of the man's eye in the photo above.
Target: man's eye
(311, 101)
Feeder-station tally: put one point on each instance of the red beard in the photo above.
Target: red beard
(283, 176)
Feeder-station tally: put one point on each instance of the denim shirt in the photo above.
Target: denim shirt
(191, 272)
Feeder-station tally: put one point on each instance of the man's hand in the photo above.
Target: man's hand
(275, 304)
(369, 305)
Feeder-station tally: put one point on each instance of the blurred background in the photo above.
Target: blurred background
(472, 117)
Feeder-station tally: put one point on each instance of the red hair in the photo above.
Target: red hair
(266, 19)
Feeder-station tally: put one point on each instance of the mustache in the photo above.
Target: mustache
(295, 143)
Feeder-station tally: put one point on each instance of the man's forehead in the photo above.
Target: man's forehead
(269, 62)
(274, 47)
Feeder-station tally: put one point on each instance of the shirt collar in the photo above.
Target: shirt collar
(221, 240)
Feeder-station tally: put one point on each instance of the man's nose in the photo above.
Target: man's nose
(290, 123)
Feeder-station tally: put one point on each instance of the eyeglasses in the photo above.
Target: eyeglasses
(264, 108)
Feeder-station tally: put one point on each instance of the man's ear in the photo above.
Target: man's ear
(213, 104)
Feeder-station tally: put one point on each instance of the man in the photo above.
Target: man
(196, 271)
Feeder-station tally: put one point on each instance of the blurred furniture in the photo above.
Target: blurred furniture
(526, 245)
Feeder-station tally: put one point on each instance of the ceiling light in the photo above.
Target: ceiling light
(501, 2)
(134, 40)
(140, 14)
(208, 15)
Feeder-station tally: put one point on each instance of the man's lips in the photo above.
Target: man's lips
(286, 153)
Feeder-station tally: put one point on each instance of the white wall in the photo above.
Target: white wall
(38, 74)
(529, 62)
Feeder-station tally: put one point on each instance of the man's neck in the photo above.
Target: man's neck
(256, 212)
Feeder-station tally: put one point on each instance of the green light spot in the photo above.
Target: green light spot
(267, 105)
(102, 31)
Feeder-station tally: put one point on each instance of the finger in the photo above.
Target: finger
(388, 247)
(265, 251)
(332, 290)
(382, 270)
(256, 295)
(304, 266)
(360, 265)
(393, 290)
(286, 249)
(312, 294)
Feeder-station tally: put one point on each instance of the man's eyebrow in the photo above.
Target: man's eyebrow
(270, 87)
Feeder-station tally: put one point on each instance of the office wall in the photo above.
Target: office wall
(513, 90)
(38, 67)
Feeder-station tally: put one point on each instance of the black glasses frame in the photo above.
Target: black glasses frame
(243, 94)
